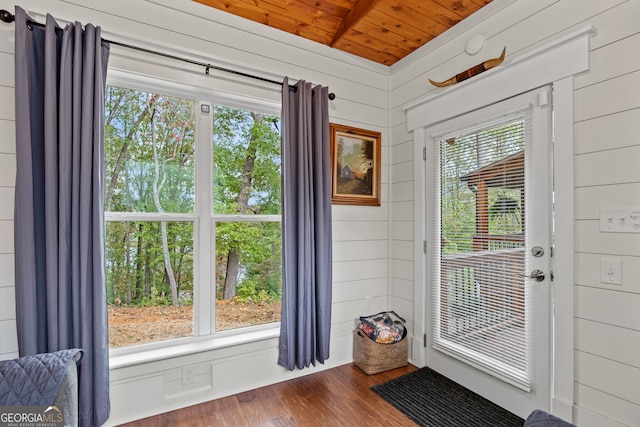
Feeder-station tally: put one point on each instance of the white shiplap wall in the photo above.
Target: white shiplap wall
(371, 255)
(607, 154)
(361, 234)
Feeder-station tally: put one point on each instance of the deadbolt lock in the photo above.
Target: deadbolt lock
(537, 251)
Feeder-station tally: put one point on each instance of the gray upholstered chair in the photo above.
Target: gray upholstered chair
(539, 418)
(48, 379)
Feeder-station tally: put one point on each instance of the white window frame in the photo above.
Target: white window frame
(204, 335)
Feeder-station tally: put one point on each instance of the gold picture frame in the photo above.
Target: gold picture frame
(355, 166)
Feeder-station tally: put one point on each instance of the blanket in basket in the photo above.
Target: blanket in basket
(385, 327)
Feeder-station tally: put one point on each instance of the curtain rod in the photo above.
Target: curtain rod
(8, 17)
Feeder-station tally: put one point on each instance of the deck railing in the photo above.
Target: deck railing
(481, 291)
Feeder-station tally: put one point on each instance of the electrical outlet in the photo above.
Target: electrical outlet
(188, 375)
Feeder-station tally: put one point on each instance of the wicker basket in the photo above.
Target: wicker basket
(373, 357)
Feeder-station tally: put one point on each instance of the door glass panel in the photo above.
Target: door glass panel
(480, 304)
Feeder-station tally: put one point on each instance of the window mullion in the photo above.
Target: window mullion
(247, 218)
(204, 286)
(148, 216)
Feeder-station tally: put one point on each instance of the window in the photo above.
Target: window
(192, 208)
(246, 206)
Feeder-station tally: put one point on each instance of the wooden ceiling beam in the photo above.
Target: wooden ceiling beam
(351, 20)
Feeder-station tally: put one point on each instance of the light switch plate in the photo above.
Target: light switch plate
(620, 220)
(611, 271)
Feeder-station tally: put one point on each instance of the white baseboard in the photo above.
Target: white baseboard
(562, 409)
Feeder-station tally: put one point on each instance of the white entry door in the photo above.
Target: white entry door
(489, 237)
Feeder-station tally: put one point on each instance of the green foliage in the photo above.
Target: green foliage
(260, 255)
(135, 264)
(251, 290)
(239, 135)
(459, 157)
(129, 156)
(155, 299)
(246, 180)
(136, 272)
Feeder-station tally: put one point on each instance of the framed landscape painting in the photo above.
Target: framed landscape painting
(355, 166)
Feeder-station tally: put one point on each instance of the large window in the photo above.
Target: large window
(192, 204)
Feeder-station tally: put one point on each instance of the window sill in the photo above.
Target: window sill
(123, 358)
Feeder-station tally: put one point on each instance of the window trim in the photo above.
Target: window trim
(161, 350)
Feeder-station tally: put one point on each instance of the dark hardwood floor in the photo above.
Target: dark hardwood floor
(336, 397)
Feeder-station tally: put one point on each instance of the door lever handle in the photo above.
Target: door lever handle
(537, 275)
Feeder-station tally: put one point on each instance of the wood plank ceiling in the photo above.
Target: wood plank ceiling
(383, 31)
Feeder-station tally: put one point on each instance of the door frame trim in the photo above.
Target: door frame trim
(555, 64)
(513, 393)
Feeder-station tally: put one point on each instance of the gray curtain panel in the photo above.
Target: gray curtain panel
(59, 222)
(306, 226)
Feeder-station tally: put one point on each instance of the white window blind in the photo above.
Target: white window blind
(480, 305)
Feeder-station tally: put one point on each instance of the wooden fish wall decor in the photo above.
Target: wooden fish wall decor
(473, 71)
